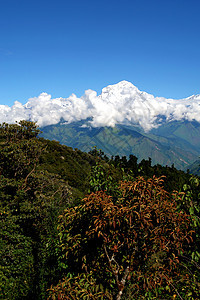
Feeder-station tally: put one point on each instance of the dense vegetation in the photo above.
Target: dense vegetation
(79, 225)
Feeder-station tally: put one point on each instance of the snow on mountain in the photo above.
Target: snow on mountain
(122, 103)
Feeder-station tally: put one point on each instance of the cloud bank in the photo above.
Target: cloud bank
(121, 103)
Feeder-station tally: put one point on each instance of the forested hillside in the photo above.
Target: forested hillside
(78, 225)
(165, 145)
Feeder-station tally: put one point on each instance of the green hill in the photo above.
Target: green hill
(164, 147)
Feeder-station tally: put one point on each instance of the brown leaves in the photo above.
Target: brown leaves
(142, 228)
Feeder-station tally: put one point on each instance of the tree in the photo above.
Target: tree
(135, 239)
(20, 149)
(17, 261)
(32, 199)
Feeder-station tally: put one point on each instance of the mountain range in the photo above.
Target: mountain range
(122, 120)
(166, 145)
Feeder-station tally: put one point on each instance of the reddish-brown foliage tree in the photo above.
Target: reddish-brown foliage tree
(137, 238)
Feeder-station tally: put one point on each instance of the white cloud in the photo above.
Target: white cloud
(119, 103)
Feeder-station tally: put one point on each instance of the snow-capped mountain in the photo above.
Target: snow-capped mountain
(122, 120)
(122, 103)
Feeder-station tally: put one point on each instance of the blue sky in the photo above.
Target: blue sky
(63, 47)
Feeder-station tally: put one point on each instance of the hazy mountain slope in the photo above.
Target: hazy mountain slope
(185, 134)
(195, 168)
(121, 140)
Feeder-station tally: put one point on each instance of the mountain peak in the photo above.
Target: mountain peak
(120, 87)
(120, 103)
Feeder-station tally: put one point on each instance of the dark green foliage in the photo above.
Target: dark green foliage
(190, 202)
(32, 199)
(175, 179)
(17, 261)
(12, 132)
(39, 179)
(72, 165)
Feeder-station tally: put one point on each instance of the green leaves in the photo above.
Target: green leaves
(19, 131)
(32, 199)
(17, 262)
(82, 286)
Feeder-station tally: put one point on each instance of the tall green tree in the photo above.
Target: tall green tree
(32, 199)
